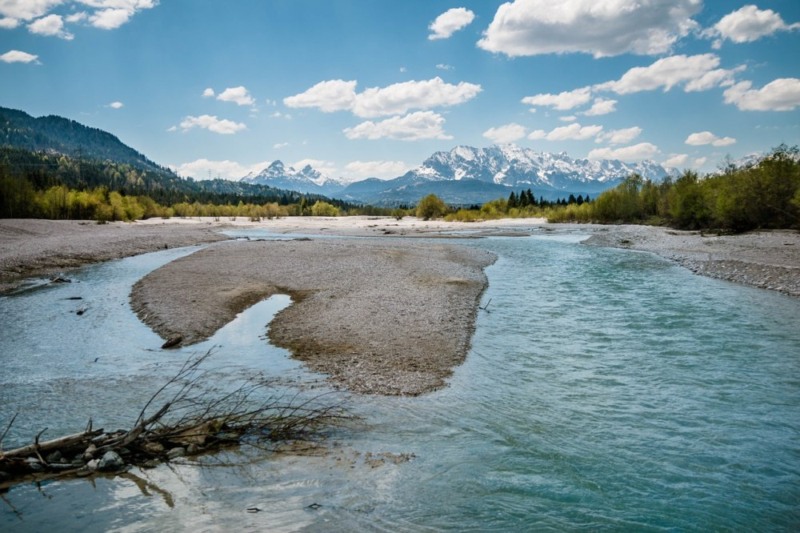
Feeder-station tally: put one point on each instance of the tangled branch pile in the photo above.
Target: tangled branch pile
(191, 420)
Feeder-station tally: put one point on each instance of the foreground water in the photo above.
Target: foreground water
(605, 389)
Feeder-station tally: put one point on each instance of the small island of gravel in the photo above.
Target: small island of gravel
(377, 317)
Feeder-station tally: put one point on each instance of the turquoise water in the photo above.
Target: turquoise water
(605, 389)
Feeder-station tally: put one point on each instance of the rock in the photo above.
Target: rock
(33, 464)
(173, 342)
(174, 453)
(88, 455)
(193, 449)
(156, 448)
(54, 457)
(151, 463)
(110, 462)
(92, 465)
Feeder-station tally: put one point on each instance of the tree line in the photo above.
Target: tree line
(763, 195)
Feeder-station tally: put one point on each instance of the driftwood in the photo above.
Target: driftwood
(192, 420)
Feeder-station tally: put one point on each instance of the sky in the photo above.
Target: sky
(371, 88)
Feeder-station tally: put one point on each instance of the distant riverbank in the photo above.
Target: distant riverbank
(769, 259)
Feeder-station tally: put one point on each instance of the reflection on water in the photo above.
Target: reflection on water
(605, 389)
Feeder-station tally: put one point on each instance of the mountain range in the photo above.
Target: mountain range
(462, 176)
(468, 175)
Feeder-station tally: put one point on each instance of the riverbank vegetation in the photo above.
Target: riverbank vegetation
(762, 195)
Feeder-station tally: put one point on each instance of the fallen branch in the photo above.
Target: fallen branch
(192, 420)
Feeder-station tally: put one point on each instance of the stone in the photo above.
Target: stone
(110, 462)
(54, 457)
(174, 453)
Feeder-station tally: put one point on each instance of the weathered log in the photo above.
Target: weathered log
(61, 442)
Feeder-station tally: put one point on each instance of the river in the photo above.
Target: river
(605, 389)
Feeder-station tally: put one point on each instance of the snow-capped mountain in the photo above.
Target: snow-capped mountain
(517, 167)
(306, 180)
(475, 175)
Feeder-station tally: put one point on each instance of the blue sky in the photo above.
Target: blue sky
(363, 88)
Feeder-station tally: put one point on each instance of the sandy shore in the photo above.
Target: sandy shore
(380, 314)
(378, 317)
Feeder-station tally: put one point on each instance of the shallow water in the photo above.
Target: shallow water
(605, 389)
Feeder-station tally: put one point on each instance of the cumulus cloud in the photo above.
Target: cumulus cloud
(637, 152)
(209, 93)
(412, 127)
(204, 168)
(396, 99)
(676, 161)
(212, 123)
(450, 22)
(505, 134)
(695, 73)
(238, 95)
(51, 26)
(561, 101)
(748, 24)
(327, 96)
(601, 106)
(357, 170)
(17, 56)
(597, 27)
(26, 9)
(703, 138)
(111, 14)
(622, 136)
(782, 94)
(116, 105)
(8, 23)
(572, 132)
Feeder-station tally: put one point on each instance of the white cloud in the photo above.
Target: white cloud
(396, 99)
(116, 105)
(213, 124)
(209, 93)
(450, 22)
(237, 95)
(568, 118)
(561, 101)
(443, 66)
(51, 26)
(637, 152)
(622, 136)
(26, 9)
(278, 146)
(505, 134)
(411, 127)
(358, 170)
(278, 114)
(17, 56)
(703, 138)
(598, 27)
(782, 94)
(748, 24)
(601, 106)
(676, 161)
(327, 96)
(110, 19)
(699, 162)
(77, 17)
(201, 169)
(695, 73)
(111, 14)
(8, 23)
(402, 97)
(572, 132)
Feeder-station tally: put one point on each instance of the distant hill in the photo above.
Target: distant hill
(54, 150)
(53, 134)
